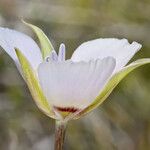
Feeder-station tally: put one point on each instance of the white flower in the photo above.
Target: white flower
(67, 89)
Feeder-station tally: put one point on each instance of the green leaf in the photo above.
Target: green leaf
(112, 83)
(33, 85)
(46, 45)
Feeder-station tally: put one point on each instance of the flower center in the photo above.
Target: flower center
(54, 57)
(66, 111)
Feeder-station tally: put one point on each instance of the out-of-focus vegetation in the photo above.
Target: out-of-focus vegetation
(122, 122)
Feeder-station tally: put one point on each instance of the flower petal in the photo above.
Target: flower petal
(33, 85)
(46, 45)
(11, 39)
(112, 83)
(67, 84)
(121, 50)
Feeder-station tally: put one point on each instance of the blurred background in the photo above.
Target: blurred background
(122, 122)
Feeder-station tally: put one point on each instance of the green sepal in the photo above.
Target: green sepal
(46, 45)
(33, 85)
(112, 83)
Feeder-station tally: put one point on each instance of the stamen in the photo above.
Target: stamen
(52, 57)
(47, 59)
(62, 51)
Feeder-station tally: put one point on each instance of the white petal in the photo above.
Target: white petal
(120, 49)
(74, 84)
(10, 39)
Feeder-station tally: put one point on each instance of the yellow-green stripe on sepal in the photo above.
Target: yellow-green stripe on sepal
(46, 45)
(33, 85)
(112, 83)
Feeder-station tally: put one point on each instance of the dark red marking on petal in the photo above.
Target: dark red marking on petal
(66, 109)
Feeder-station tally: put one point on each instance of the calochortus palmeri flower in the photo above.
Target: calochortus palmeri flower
(68, 89)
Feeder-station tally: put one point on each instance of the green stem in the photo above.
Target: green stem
(59, 134)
